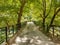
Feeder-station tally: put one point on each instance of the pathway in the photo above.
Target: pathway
(32, 37)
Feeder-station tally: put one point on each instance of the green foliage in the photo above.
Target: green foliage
(33, 10)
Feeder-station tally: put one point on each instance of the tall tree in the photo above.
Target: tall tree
(23, 2)
(56, 6)
(44, 13)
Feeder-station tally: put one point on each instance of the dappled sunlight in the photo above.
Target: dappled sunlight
(31, 40)
(38, 42)
(29, 22)
(24, 39)
(30, 37)
(49, 39)
(35, 37)
(34, 40)
(18, 39)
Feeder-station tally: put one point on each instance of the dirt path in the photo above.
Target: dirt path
(33, 37)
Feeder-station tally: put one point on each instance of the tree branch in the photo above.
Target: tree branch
(54, 16)
(49, 9)
(41, 15)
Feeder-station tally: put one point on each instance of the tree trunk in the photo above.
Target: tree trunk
(44, 13)
(52, 20)
(20, 14)
(44, 24)
(7, 25)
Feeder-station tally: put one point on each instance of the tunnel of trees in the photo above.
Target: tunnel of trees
(44, 13)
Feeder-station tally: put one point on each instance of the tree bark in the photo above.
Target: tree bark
(43, 23)
(44, 14)
(20, 14)
(52, 20)
(54, 16)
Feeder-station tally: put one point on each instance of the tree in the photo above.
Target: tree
(56, 11)
(23, 2)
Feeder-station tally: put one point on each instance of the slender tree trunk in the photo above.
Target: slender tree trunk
(8, 27)
(20, 14)
(43, 23)
(44, 13)
(52, 20)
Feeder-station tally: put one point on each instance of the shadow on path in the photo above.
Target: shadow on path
(32, 36)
